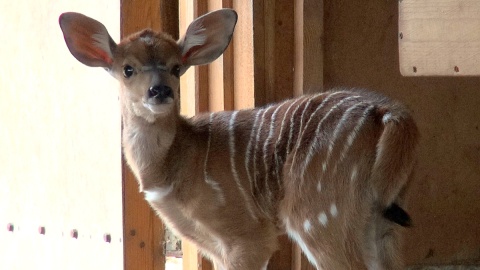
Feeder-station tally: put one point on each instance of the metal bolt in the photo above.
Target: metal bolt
(107, 238)
(41, 230)
(10, 227)
(74, 234)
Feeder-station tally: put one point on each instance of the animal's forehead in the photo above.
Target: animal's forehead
(150, 46)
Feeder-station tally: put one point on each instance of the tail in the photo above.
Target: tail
(396, 214)
(394, 157)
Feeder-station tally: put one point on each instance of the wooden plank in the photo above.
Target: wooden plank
(308, 64)
(439, 37)
(143, 230)
(243, 51)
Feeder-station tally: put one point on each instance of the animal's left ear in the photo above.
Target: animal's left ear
(207, 37)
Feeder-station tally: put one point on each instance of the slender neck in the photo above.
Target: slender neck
(146, 143)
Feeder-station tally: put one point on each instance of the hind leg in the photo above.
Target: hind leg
(388, 244)
(326, 248)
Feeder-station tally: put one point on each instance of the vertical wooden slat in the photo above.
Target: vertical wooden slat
(215, 73)
(308, 70)
(308, 65)
(243, 51)
(143, 231)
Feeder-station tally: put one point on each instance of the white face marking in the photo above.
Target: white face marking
(307, 226)
(323, 219)
(319, 186)
(157, 193)
(147, 40)
(333, 210)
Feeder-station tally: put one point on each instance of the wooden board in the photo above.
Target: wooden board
(439, 37)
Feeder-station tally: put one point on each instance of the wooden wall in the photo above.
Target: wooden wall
(361, 49)
(60, 160)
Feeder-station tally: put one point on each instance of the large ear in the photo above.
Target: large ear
(207, 37)
(87, 39)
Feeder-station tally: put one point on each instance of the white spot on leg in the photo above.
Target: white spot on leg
(333, 210)
(307, 226)
(295, 236)
(323, 219)
(319, 186)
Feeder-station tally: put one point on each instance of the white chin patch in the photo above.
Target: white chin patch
(158, 108)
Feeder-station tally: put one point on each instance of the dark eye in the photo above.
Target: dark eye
(176, 71)
(128, 71)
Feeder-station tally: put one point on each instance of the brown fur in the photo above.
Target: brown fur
(320, 168)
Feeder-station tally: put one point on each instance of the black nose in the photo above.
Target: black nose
(160, 92)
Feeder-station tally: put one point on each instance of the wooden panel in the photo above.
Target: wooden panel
(144, 232)
(439, 37)
(60, 157)
(443, 196)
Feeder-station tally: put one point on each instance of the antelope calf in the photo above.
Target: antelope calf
(327, 169)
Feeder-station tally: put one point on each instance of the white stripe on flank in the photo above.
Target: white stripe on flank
(280, 138)
(310, 119)
(292, 126)
(249, 150)
(267, 143)
(231, 133)
(339, 127)
(353, 135)
(255, 151)
(208, 179)
(313, 143)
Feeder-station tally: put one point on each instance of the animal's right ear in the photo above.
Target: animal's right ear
(87, 39)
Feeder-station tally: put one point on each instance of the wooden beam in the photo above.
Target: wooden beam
(143, 231)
